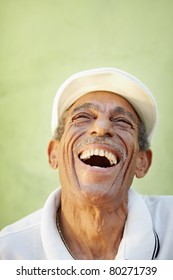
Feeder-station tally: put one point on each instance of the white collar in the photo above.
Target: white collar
(138, 240)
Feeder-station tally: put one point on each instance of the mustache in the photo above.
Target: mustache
(103, 140)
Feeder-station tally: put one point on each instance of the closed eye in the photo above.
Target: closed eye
(82, 118)
(124, 123)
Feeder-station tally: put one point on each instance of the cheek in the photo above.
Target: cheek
(130, 141)
(67, 173)
(68, 141)
(72, 135)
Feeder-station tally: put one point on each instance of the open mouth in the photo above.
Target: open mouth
(98, 158)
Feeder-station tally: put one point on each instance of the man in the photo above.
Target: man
(102, 123)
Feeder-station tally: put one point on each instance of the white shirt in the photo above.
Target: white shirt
(148, 232)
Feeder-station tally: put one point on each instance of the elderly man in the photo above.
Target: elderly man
(102, 123)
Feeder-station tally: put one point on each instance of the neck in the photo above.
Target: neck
(92, 232)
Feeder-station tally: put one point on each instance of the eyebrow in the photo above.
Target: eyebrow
(86, 106)
(117, 110)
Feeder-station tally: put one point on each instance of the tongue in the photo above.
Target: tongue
(97, 161)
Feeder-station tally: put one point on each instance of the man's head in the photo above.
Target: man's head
(103, 135)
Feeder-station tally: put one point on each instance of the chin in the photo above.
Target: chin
(96, 193)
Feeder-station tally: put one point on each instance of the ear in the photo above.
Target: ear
(53, 154)
(143, 163)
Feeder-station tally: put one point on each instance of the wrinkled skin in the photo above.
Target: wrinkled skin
(94, 199)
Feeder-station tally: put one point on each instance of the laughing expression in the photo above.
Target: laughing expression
(98, 151)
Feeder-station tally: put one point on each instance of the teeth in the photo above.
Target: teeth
(96, 152)
(101, 153)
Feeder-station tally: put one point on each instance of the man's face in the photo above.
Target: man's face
(98, 152)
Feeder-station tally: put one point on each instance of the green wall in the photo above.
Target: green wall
(42, 42)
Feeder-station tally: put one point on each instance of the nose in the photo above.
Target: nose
(102, 126)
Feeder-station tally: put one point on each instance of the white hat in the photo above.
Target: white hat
(107, 79)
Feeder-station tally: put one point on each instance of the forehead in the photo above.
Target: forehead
(104, 100)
